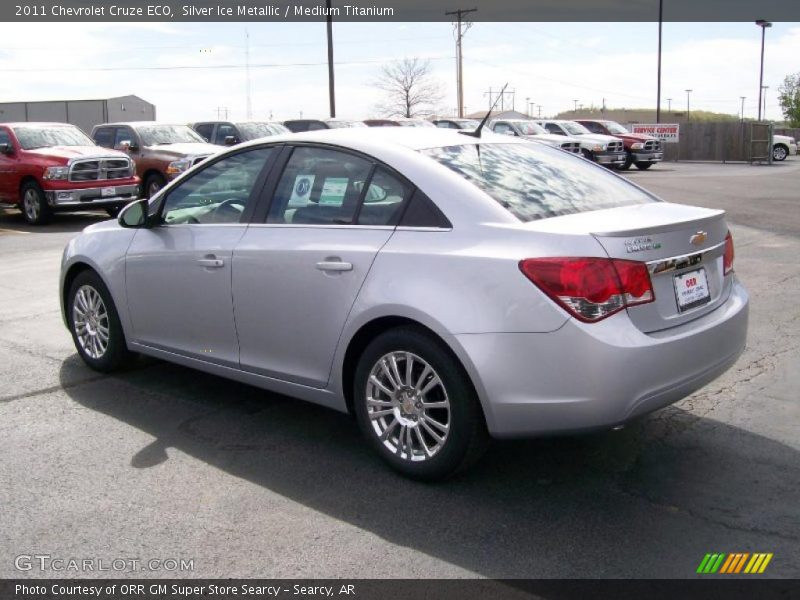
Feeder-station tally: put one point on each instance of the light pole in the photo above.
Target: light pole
(669, 104)
(331, 85)
(763, 24)
(742, 98)
(528, 105)
(688, 111)
(658, 93)
(576, 106)
(764, 88)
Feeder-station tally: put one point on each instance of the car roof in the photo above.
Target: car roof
(38, 124)
(137, 123)
(367, 138)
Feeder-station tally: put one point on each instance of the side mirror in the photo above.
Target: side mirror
(127, 146)
(230, 140)
(6, 148)
(134, 215)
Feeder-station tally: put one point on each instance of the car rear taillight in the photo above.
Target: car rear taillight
(727, 258)
(591, 289)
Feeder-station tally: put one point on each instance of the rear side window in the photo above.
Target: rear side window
(384, 199)
(319, 187)
(534, 181)
(205, 130)
(104, 137)
(422, 212)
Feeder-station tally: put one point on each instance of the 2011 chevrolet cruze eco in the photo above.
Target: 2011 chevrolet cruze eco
(442, 287)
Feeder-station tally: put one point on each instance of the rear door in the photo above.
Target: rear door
(297, 274)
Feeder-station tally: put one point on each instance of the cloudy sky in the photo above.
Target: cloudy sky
(190, 70)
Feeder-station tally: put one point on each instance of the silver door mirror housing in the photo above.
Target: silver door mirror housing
(134, 215)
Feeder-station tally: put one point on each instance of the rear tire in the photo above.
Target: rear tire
(643, 166)
(94, 323)
(423, 418)
(34, 205)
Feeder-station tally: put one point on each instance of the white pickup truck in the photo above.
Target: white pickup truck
(783, 146)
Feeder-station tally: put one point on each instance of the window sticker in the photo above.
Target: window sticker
(301, 191)
(333, 191)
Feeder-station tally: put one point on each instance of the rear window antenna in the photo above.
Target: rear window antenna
(477, 132)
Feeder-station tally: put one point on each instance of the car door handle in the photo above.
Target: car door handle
(211, 263)
(334, 265)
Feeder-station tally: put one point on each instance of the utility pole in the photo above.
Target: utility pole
(669, 104)
(688, 113)
(540, 111)
(763, 24)
(764, 114)
(222, 110)
(490, 92)
(742, 98)
(461, 29)
(249, 105)
(658, 93)
(329, 25)
(576, 106)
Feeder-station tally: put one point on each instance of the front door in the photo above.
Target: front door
(178, 273)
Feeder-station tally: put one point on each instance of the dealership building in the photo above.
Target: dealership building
(83, 113)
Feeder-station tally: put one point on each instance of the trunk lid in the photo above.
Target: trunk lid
(683, 247)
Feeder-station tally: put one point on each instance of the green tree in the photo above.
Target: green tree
(789, 97)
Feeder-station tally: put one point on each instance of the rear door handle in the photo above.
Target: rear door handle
(211, 263)
(334, 265)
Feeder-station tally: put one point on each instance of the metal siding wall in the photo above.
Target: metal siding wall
(48, 111)
(12, 111)
(135, 109)
(86, 113)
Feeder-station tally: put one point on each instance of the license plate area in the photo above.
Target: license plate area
(108, 192)
(691, 289)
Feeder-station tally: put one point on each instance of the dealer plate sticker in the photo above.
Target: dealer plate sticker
(691, 289)
(107, 192)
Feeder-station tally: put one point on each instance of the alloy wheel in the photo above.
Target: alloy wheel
(408, 406)
(90, 320)
(30, 204)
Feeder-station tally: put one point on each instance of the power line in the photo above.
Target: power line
(206, 67)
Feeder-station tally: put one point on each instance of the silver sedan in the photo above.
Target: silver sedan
(444, 288)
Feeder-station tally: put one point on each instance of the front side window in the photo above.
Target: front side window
(4, 138)
(616, 128)
(205, 129)
(124, 134)
(534, 181)
(594, 127)
(223, 131)
(319, 187)
(31, 138)
(217, 194)
(104, 137)
(554, 129)
(575, 128)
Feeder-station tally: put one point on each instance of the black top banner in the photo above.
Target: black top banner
(400, 10)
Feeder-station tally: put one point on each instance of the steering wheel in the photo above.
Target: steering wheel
(227, 208)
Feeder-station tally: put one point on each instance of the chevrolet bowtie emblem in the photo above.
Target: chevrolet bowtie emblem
(698, 238)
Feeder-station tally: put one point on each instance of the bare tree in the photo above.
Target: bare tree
(409, 88)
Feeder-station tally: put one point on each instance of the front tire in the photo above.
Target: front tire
(643, 166)
(780, 152)
(94, 324)
(152, 184)
(416, 407)
(626, 165)
(34, 205)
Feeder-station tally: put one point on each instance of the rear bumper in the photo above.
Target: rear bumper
(647, 156)
(86, 198)
(610, 158)
(589, 376)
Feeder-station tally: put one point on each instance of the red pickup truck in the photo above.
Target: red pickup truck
(49, 167)
(640, 149)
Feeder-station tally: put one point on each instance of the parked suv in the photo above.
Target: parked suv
(48, 167)
(603, 149)
(161, 151)
(529, 130)
(227, 133)
(641, 150)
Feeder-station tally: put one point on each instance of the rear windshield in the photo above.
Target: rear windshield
(534, 181)
(31, 138)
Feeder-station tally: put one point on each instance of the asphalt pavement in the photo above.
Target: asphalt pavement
(162, 462)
